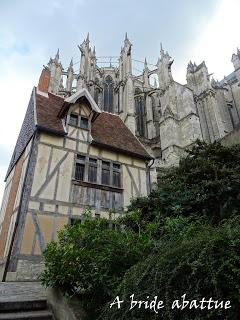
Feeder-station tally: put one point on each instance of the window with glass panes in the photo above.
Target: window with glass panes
(84, 123)
(88, 169)
(106, 172)
(92, 170)
(79, 121)
(73, 120)
(80, 168)
(116, 175)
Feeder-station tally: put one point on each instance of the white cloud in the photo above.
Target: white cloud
(217, 42)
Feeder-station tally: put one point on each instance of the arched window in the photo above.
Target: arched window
(96, 90)
(140, 112)
(108, 94)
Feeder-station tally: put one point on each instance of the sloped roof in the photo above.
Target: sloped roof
(108, 130)
(47, 109)
(26, 132)
(83, 93)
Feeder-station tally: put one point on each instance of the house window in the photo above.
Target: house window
(80, 121)
(87, 169)
(116, 175)
(106, 172)
(92, 170)
(84, 123)
(80, 168)
(73, 119)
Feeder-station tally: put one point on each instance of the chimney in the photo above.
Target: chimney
(44, 80)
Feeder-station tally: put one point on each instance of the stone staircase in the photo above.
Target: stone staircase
(23, 300)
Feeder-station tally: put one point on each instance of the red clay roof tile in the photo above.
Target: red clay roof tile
(109, 130)
(47, 109)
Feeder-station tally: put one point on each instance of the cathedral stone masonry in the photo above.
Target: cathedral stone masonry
(166, 116)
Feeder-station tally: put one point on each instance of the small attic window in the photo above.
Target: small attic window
(73, 119)
(84, 123)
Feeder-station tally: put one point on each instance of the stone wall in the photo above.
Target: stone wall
(232, 138)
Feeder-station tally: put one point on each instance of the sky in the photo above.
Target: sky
(31, 32)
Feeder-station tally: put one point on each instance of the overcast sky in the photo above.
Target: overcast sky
(31, 32)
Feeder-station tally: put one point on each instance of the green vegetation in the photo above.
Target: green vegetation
(184, 238)
(90, 259)
(199, 261)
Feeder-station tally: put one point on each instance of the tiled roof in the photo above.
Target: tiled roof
(26, 132)
(47, 109)
(109, 131)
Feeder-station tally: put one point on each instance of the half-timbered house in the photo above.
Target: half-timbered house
(69, 156)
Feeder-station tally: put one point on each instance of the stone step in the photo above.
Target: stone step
(27, 315)
(23, 305)
(21, 291)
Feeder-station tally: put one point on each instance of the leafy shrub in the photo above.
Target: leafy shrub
(90, 259)
(207, 182)
(198, 260)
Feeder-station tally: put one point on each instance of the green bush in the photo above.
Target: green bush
(198, 260)
(207, 182)
(90, 259)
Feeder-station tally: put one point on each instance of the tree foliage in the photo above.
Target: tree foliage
(199, 260)
(90, 259)
(207, 182)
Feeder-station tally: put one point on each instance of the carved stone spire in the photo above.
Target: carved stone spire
(161, 49)
(190, 67)
(84, 63)
(70, 67)
(127, 44)
(236, 60)
(126, 96)
(57, 56)
(55, 68)
(145, 64)
(70, 77)
(87, 40)
(164, 69)
(198, 78)
(145, 74)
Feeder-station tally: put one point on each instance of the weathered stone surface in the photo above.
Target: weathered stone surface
(64, 309)
(174, 114)
(23, 300)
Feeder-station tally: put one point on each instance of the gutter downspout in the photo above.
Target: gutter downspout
(149, 184)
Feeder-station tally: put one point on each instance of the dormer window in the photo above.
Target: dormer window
(78, 121)
(73, 119)
(84, 123)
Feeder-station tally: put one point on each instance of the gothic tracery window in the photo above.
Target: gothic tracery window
(140, 112)
(108, 94)
(96, 91)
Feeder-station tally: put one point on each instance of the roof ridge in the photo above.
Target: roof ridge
(114, 114)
